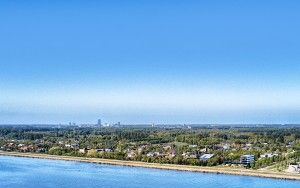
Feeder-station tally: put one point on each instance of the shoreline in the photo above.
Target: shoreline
(215, 170)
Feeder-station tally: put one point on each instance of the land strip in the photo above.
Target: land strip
(217, 170)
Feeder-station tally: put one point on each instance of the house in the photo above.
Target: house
(153, 154)
(11, 144)
(150, 154)
(206, 157)
(75, 146)
(293, 169)
(226, 147)
(204, 150)
(41, 150)
(171, 155)
(72, 146)
(189, 155)
(247, 159)
(21, 145)
(217, 147)
(290, 144)
(24, 149)
(131, 155)
(268, 155)
(247, 147)
(107, 150)
(100, 150)
(141, 149)
(167, 147)
(84, 150)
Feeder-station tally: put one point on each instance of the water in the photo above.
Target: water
(35, 173)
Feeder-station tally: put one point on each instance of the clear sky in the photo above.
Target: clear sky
(155, 61)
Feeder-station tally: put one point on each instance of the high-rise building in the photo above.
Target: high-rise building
(99, 123)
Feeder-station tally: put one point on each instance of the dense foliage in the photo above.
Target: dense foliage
(160, 145)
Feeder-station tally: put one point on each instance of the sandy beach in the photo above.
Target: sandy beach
(218, 170)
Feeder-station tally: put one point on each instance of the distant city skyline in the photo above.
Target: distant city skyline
(150, 62)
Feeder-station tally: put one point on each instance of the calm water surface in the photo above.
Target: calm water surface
(32, 173)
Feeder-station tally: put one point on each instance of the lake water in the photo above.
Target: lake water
(35, 173)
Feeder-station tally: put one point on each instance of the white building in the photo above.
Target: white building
(268, 155)
(293, 169)
(206, 157)
(226, 146)
(153, 154)
(84, 150)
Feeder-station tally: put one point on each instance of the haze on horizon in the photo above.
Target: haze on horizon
(150, 61)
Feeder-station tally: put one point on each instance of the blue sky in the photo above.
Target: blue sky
(150, 61)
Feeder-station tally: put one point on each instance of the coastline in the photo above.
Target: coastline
(216, 170)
